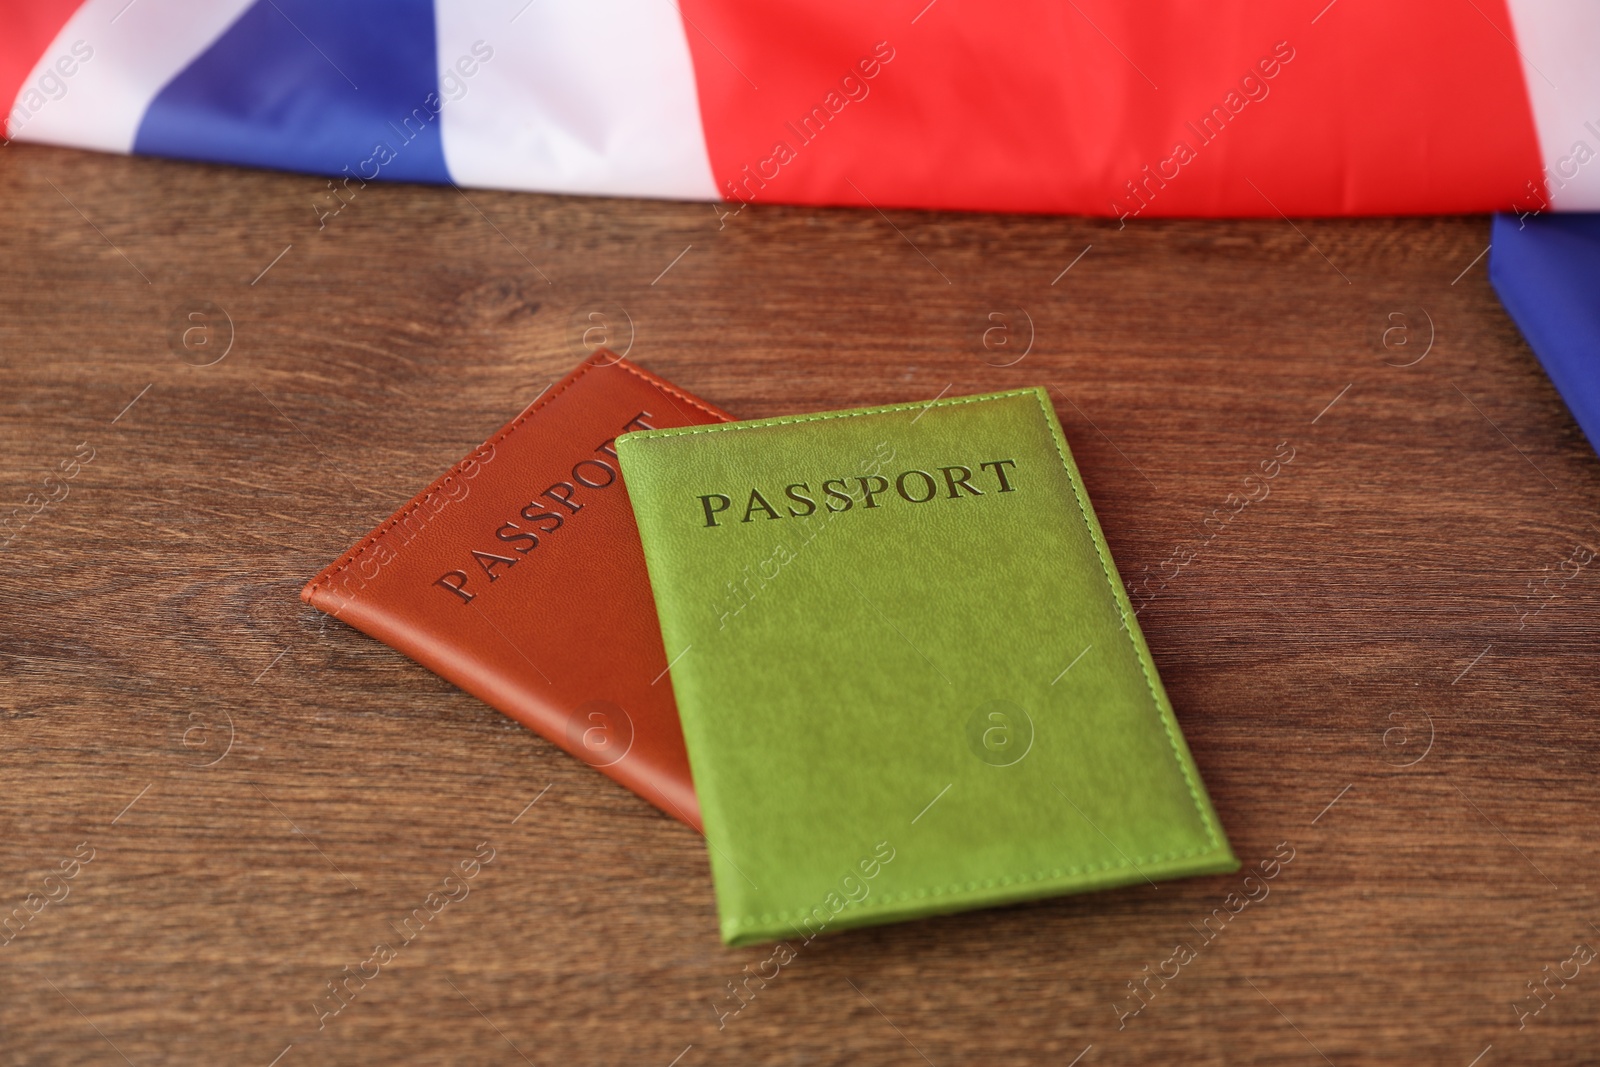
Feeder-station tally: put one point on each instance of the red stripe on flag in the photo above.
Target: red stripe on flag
(28, 30)
(1099, 107)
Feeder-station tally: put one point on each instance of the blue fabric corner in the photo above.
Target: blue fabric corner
(1546, 270)
(312, 86)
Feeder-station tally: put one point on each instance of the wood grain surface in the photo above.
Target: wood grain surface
(1388, 661)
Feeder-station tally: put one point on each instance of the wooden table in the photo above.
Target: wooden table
(1390, 663)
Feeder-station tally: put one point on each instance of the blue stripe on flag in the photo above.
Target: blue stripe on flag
(311, 85)
(1546, 269)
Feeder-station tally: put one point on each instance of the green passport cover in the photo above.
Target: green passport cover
(909, 678)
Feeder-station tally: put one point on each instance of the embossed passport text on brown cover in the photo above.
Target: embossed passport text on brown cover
(518, 576)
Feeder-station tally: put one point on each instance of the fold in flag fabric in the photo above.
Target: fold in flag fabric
(1228, 108)
(1546, 270)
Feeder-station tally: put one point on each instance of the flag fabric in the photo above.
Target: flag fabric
(1173, 107)
(1546, 270)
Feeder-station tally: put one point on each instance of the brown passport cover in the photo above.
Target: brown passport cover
(519, 576)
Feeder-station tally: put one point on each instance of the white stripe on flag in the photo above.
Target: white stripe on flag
(596, 97)
(1556, 40)
(121, 54)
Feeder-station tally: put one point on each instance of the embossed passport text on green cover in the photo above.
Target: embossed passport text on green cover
(909, 678)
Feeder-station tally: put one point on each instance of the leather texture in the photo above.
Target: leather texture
(518, 576)
(909, 678)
